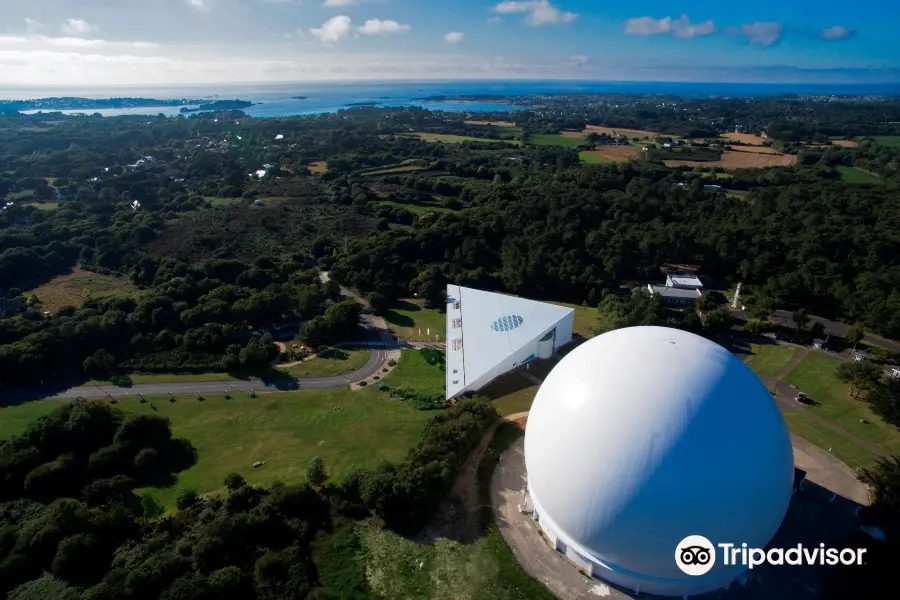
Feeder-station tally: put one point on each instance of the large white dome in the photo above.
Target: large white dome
(645, 435)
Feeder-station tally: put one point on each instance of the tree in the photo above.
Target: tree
(762, 308)
(717, 322)
(150, 507)
(855, 334)
(186, 499)
(234, 481)
(315, 471)
(706, 302)
(817, 330)
(861, 375)
(379, 303)
(884, 398)
(801, 318)
(884, 478)
(100, 362)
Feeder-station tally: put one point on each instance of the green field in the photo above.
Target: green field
(79, 286)
(415, 372)
(849, 452)
(592, 158)
(223, 201)
(20, 195)
(457, 139)
(556, 139)
(816, 376)
(887, 140)
(587, 320)
(417, 209)
(332, 361)
(408, 317)
(853, 175)
(769, 359)
(44, 205)
(397, 169)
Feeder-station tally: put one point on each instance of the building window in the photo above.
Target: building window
(457, 323)
(457, 344)
(456, 305)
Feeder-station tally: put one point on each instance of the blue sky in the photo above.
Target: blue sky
(108, 42)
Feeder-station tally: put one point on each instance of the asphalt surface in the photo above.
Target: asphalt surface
(835, 328)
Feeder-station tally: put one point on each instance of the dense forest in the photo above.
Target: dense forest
(223, 223)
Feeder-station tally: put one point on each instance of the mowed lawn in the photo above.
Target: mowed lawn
(593, 158)
(857, 176)
(847, 451)
(79, 286)
(816, 376)
(887, 140)
(767, 360)
(556, 139)
(329, 362)
(414, 323)
(413, 371)
(510, 393)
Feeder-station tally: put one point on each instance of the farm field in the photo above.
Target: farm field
(417, 209)
(332, 361)
(317, 167)
(408, 316)
(856, 176)
(457, 139)
(769, 359)
(816, 376)
(887, 140)
(285, 429)
(611, 154)
(755, 149)
(630, 133)
(845, 143)
(740, 160)
(493, 123)
(745, 138)
(44, 205)
(394, 169)
(77, 287)
(557, 139)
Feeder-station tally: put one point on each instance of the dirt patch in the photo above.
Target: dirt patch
(740, 160)
(79, 286)
(745, 138)
(492, 123)
(614, 131)
(845, 143)
(617, 153)
(317, 167)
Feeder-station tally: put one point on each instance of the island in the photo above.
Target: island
(75, 103)
(299, 97)
(219, 105)
(363, 104)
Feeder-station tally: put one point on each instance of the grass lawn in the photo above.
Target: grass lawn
(413, 371)
(510, 393)
(79, 286)
(457, 139)
(556, 139)
(408, 317)
(592, 158)
(417, 209)
(44, 205)
(333, 361)
(849, 452)
(816, 375)
(285, 429)
(769, 359)
(887, 140)
(587, 320)
(853, 175)
(20, 195)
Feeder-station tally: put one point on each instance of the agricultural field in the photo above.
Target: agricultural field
(557, 139)
(317, 167)
(816, 376)
(611, 154)
(768, 359)
(853, 175)
(417, 209)
(887, 140)
(492, 123)
(329, 362)
(408, 317)
(394, 169)
(79, 286)
(44, 205)
(740, 160)
(629, 133)
(845, 143)
(457, 139)
(745, 138)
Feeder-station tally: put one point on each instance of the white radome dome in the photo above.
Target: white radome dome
(645, 435)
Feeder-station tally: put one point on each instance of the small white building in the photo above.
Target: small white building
(675, 297)
(860, 355)
(683, 281)
(895, 373)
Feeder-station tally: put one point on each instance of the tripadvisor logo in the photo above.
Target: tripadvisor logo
(695, 555)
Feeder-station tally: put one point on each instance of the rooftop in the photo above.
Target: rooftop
(672, 292)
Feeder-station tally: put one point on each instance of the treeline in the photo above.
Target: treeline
(74, 529)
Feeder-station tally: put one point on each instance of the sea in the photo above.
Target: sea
(291, 99)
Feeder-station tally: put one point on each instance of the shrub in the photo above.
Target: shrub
(186, 499)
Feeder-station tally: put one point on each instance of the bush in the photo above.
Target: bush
(433, 357)
(234, 481)
(186, 499)
(363, 383)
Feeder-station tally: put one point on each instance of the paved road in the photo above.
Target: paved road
(786, 318)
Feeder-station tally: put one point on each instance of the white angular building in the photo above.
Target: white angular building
(489, 334)
(644, 436)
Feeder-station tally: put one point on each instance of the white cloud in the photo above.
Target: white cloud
(454, 37)
(838, 32)
(70, 43)
(761, 33)
(579, 60)
(680, 27)
(379, 27)
(333, 30)
(540, 12)
(200, 4)
(33, 26)
(333, 3)
(77, 27)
